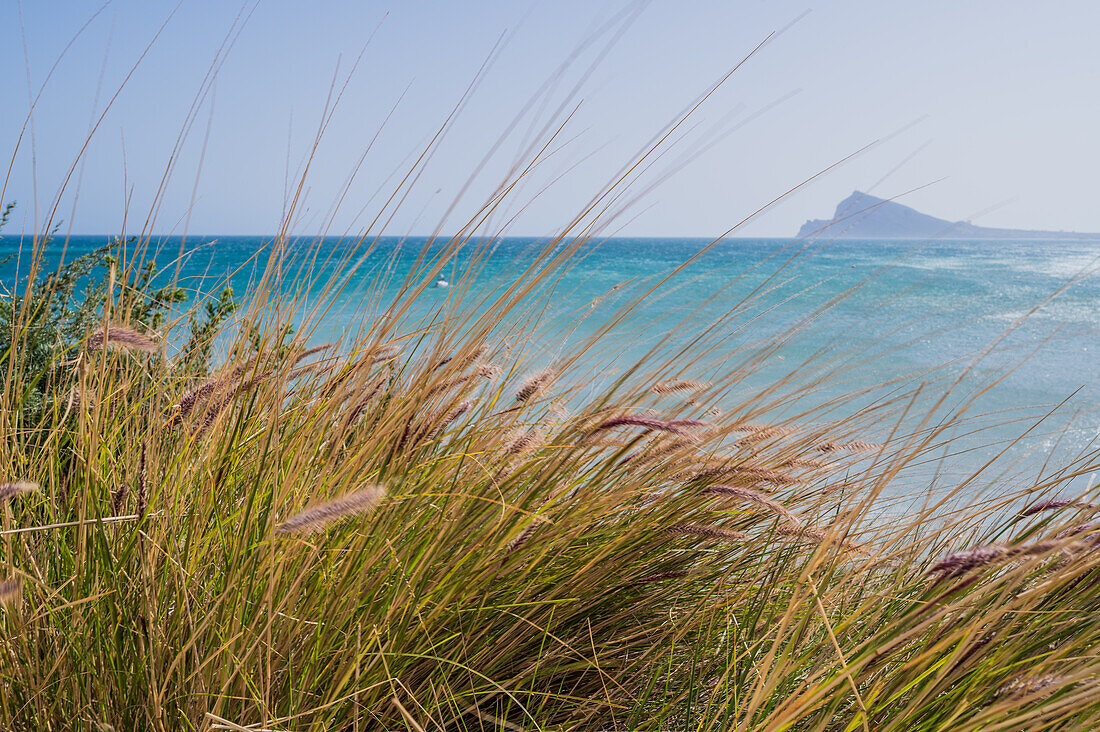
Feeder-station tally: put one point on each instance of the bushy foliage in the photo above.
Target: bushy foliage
(45, 318)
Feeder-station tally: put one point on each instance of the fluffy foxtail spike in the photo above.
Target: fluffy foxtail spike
(318, 517)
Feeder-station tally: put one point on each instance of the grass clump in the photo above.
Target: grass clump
(429, 525)
(219, 552)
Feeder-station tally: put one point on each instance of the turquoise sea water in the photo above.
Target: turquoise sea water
(903, 307)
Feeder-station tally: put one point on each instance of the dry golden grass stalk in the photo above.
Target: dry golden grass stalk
(668, 387)
(754, 497)
(464, 360)
(143, 482)
(709, 532)
(10, 589)
(385, 353)
(9, 491)
(534, 385)
(122, 337)
(318, 517)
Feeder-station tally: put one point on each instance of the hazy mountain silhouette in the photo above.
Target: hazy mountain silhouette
(863, 216)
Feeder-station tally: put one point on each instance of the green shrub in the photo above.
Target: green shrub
(45, 319)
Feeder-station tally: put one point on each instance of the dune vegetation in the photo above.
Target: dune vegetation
(211, 521)
(418, 528)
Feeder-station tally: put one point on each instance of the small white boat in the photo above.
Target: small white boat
(442, 283)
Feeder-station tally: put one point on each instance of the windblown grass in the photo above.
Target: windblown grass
(431, 526)
(628, 565)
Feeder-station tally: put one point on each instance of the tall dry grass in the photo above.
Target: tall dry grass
(430, 526)
(375, 537)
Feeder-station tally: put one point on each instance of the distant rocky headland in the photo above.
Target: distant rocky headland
(863, 216)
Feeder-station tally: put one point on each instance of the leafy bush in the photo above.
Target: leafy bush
(45, 319)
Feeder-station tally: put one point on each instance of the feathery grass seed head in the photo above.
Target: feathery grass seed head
(1054, 504)
(318, 517)
(534, 385)
(669, 387)
(9, 590)
(521, 539)
(751, 496)
(523, 440)
(1026, 686)
(9, 491)
(118, 498)
(814, 535)
(674, 426)
(440, 422)
(709, 532)
(853, 446)
(121, 337)
(193, 397)
(747, 472)
(959, 563)
(809, 463)
(661, 576)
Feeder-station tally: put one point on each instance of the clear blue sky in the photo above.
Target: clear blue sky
(997, 100)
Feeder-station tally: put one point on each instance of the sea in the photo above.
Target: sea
(1005, 330)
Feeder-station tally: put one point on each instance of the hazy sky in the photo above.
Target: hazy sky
(992, 105)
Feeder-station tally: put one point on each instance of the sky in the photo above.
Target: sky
(982, 110)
